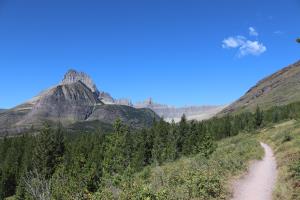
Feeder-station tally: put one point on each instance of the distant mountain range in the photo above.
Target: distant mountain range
(170, 113)
(280, 88)
(75, 99)
(79, 105)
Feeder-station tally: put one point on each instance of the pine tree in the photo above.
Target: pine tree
(59, 144)
(182, 133)
(171, 144)
(148, 145)
(159, 142)
(275, 115)
(114, 154)
(227, 126)
(208, 145)
(48, 151)
(189, 144)
(258, 117)
(138, 151)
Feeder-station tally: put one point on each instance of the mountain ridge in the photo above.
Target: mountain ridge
(279, 88)
(75, 99)
(169, 113)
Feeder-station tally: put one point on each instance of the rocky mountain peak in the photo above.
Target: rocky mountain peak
(73, 76)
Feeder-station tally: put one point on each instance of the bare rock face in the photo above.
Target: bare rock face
(73, 76)
(75, 100)
(65, 103)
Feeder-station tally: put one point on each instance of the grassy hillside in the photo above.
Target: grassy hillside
(190, 177)
(285, 140)
(280, 88)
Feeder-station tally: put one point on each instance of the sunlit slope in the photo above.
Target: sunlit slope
(280, 88)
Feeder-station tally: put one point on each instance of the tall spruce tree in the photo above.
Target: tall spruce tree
(189, 145)
(148, 145)
(48, 151)
(159, 142)
(227, 127)
(171, 144)
(115, 150)
(258, 117)
(182, 133)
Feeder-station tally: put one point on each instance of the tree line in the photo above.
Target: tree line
(58, 165)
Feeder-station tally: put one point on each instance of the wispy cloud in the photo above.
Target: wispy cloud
(243, 45)
(252, 31)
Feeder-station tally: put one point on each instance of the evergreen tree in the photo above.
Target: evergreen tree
(159, 142)
(208, 145)
(275, 115)
(148, 145)
(189, 145)
(227, 129)
(48, 151)
(182, 133)
(114, 153)
(138, 152)
(171, 143)
(258, 117)
(59, 144)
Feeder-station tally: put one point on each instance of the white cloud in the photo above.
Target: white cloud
(251, 48)
(233, 42)
(244, 46)
(252, 31)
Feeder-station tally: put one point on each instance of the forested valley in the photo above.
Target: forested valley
(55, 164)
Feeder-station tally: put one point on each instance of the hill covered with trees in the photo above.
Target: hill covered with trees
(57, 165)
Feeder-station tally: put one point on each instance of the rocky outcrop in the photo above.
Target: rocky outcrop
(73, 76)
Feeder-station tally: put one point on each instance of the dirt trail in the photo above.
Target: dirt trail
(259, 182)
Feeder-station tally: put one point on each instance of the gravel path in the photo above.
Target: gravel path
(258, 183)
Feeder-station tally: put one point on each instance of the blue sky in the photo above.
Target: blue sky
(178, 52)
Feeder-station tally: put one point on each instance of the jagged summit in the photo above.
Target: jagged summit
(73, 76)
